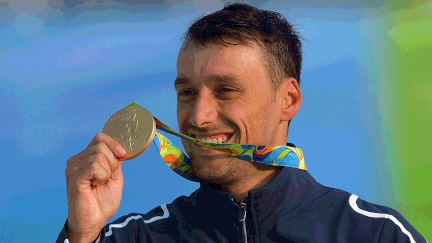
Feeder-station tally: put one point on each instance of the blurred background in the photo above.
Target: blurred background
(67, 66)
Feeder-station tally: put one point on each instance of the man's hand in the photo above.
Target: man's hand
(94, 183)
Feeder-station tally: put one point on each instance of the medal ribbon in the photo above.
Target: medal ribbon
(180, 163)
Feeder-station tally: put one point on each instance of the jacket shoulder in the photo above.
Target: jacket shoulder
(161, 224)
(395, 227)
(366, 219)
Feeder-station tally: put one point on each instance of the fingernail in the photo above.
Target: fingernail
(115, 175)
(120, 151)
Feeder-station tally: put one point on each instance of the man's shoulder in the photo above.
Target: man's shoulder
(342, 200)
(158, 223)
(180, 207)
(347, 200)
(358, 216)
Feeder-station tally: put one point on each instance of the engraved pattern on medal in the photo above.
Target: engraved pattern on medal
(129, 135)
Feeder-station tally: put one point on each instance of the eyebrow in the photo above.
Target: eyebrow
(214, 77)
(181, 80)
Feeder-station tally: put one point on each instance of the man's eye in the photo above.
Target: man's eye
(225, 90)
(188, 92)
(185, 92)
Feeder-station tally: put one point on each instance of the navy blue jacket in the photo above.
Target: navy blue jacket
(293, 207)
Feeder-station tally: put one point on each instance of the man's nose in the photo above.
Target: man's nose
(204, 110)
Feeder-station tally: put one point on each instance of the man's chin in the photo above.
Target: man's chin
(213, 172)
(211, 177)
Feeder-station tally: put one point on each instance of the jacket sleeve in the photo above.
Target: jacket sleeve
(62, 238)
(397, 229)
(130, 228)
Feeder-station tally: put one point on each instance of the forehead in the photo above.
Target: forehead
(217, 63)
(182, 79)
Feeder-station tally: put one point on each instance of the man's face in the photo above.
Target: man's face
(224, 93)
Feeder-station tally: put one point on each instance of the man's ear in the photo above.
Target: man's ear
(292, 98)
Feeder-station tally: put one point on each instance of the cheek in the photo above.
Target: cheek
(235, 118)
(257, 119)
(182, 116)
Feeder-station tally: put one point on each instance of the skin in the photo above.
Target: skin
(243, 106)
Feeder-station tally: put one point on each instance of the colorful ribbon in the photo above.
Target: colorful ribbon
(180, 163)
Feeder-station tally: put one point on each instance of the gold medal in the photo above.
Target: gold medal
(133, 127)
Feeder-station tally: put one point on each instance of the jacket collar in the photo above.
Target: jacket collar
(289, 188)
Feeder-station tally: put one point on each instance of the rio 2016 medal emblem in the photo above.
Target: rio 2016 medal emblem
(135, 128)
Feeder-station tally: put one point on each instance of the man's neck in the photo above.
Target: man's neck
(241, 189)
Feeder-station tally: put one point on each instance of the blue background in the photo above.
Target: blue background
(66, 68)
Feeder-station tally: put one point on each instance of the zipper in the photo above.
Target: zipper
(242, 216)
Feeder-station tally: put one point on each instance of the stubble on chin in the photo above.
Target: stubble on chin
(218, 170)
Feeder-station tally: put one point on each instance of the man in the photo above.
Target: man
(238, 76)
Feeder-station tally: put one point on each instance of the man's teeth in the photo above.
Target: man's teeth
(214, 140)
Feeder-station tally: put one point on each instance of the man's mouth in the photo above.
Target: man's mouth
(219, 138)
(216, 138)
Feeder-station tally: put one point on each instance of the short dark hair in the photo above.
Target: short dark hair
(244, 24)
